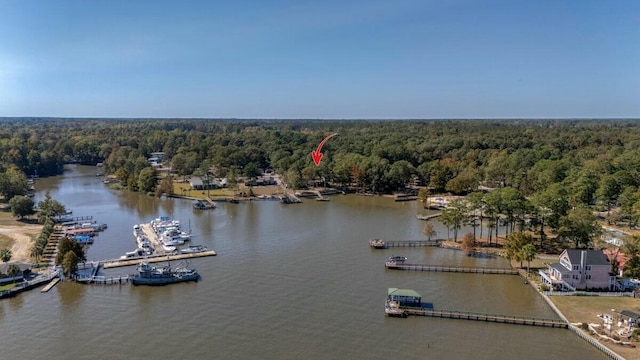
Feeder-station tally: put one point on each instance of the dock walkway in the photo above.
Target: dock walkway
(211, 203)
(105, 280)
(497, 318)
(446, 268)
(50, 285)
(107, 264)
(385, 244)
(428, 217)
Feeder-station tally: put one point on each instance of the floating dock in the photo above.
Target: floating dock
(385, 244)
(497, 318)
(153, 259)
(50, 285)
(427, 217)
(445, 268)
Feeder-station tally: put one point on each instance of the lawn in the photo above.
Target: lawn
(183, 188)
(7, 287)
(584, 309)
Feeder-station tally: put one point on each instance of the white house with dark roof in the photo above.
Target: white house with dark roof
(580, 270)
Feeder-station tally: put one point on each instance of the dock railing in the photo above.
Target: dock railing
(449, 268)
(491, 317)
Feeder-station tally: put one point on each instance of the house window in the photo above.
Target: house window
(588, 277)
(587, 267)
(574, 277)
(576, 267)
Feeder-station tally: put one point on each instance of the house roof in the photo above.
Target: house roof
(403, 292)
(21, 265)
(629, 314)
(559, 267)
(594, 257)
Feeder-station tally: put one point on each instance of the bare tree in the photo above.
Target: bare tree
(468, 244)
(428, 230)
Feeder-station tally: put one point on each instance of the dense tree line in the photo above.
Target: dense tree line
(594, 162)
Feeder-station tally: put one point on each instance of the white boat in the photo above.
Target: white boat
(172, 241)
(136, 230)
(377, 244)
(169, 248)
(193, 249)
(132, 254)
(392, 308)
(394, 261)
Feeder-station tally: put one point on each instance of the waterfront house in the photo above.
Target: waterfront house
(196, 183)
(25, 271)
(580, 270)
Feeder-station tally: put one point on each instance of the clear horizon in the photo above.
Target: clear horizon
(329, 60)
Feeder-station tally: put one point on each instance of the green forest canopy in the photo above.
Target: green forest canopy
(595, 160)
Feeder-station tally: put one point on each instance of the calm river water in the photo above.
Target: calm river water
(289, 282)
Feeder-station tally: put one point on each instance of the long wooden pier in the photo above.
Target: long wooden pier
(153, 259)
(385, 244)
(497, 318)
(447, 268)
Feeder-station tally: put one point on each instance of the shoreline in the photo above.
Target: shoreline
(523, 273)
(24, 236)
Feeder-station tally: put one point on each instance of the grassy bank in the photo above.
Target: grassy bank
(585, 309)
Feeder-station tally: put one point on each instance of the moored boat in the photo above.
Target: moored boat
(162, 275)
(395, 261)
(201, 205)
(377, 244)
(392, 308)
(193, 249)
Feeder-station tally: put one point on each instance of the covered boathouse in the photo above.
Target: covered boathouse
(405, 297)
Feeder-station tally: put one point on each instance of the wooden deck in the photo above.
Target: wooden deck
(50, 285)
(152, 259)
(497, 318)
(105, 280)
(445, 268)
(385, 244)
(211, 203)
(428, 217)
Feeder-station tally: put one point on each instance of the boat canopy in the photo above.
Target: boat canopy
(403, 292)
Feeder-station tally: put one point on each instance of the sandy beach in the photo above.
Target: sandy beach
(18, 237)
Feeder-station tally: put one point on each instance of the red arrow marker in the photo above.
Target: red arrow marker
(317, 155)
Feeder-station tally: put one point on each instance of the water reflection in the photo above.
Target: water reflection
(291, 281)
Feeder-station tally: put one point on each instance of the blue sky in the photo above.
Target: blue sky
(320, 59)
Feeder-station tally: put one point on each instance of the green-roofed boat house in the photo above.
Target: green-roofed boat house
(404, 297)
